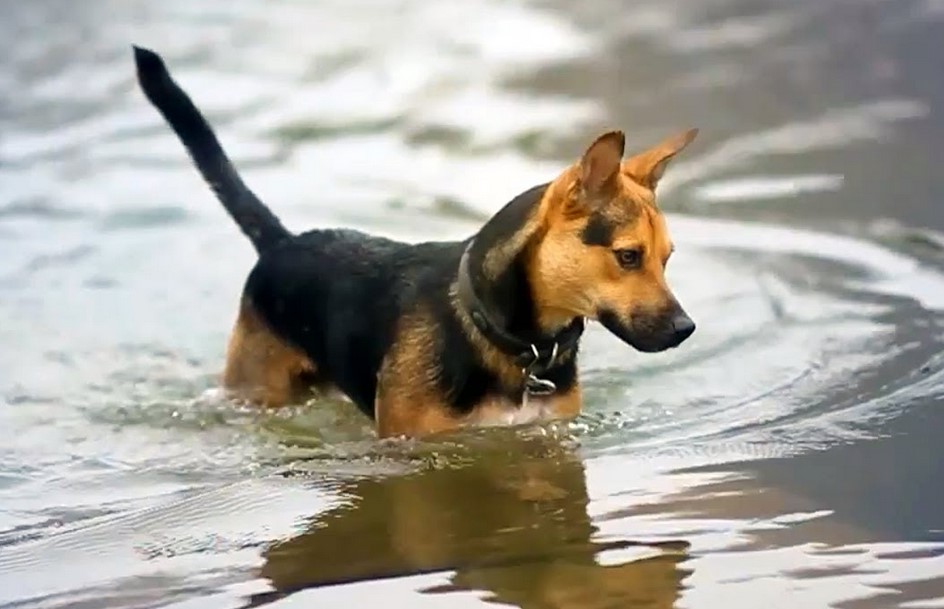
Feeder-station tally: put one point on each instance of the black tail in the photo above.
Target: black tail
(251, 214)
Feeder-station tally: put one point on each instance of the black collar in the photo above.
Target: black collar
(534, 357)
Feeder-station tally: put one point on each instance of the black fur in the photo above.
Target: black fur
(598, 231)
(338, 294)
(502, 293)
(252, 216)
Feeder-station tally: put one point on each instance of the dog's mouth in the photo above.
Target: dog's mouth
(655, 335)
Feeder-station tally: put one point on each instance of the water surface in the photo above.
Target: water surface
(787, 452)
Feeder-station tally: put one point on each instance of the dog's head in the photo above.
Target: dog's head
(605, 245)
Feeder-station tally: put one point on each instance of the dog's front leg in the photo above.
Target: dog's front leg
(408, 401)
(405, 408)
(565, 405)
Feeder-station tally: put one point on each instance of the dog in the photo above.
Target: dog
(430, 337)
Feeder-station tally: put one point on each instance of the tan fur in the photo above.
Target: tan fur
(571, 279)
(498, 259)
(566, 405)
(646, 168)
(406, 402)
(492, 359)
(568, 279)
(536, 409)
(261, 368)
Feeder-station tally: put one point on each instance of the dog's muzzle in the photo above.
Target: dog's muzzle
(650, 333)
(682, 328)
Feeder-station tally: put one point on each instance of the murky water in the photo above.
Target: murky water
(764, 460)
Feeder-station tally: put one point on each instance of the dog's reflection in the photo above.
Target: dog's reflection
(511, 522)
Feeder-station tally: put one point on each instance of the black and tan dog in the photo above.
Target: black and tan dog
(432, 336)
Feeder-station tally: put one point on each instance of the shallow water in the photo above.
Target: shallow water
(786, 452)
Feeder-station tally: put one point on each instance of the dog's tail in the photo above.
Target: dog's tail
(255, 219)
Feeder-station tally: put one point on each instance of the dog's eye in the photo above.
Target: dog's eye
(629, 258)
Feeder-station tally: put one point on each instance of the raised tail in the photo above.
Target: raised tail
(255, 219)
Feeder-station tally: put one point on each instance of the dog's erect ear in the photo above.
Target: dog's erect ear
(646, 168)
(600, 164)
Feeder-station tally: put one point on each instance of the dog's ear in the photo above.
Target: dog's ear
(646, 168)
(600, 164)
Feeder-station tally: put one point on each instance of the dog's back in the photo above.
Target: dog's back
(339, 295)
(433, 336)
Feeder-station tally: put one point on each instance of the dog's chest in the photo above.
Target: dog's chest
(502, 411)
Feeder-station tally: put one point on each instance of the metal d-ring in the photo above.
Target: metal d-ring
(533, 384)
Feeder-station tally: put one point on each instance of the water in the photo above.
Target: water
(786, 453)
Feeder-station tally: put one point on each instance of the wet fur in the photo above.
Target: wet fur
(379, 320)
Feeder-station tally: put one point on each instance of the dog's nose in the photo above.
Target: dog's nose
(683, 326)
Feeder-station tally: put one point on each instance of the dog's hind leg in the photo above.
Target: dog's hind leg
(263, 369)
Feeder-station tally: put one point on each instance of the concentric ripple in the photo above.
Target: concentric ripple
(126, 480)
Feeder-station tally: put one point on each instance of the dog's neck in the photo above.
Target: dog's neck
(510, 328)
(494, 291)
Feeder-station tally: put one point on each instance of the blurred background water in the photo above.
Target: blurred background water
(787, 454)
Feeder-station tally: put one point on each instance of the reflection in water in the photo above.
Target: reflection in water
(119, 273)
(512, 524)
